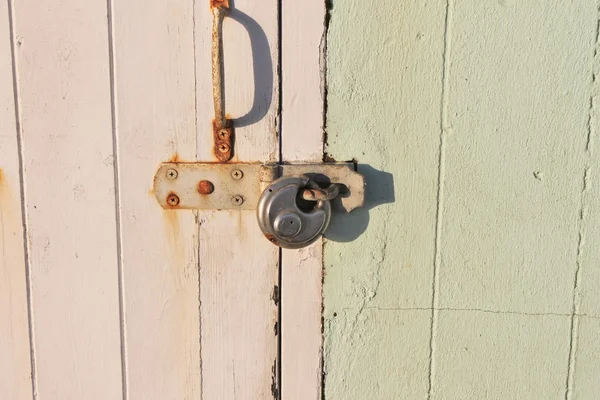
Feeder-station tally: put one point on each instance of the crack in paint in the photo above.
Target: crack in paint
(585, 200)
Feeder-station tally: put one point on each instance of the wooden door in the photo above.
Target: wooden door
(105, 295)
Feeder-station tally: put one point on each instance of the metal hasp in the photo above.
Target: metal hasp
(293, 201)
(214, 186)
(222, 127)
(207, 186)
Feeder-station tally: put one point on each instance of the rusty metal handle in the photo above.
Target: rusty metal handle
(222, 127)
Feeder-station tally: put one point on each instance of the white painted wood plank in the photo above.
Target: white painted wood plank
(238, 273)
(302, 140)
(301, 332)
(238, 266)
(15, 368)
(155, 122)
(64, 99)
(303, 29)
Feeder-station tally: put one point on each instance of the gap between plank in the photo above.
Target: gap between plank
(119, 232)
(32, 354)
(280, 135)
(196, 212)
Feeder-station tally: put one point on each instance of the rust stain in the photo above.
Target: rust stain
(4, 189)
(175, 158)
(172, 220)
(272, 239)
(219, 3)
(224, 140)
(173, 236)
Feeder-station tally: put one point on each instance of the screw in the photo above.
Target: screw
(173, 200)
(224, 148)
(237, 174)
(238, 200)
(224, 134)
(172, 174)
(205, 187)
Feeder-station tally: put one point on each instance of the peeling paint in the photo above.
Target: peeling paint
(274, 387)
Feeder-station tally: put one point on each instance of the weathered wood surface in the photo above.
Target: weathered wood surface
(303, 28)
(15, 368)
(63, 94)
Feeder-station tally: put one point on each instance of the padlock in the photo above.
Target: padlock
(286, 219)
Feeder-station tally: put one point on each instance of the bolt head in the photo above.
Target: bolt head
(237, 174)
(172, 174)
(238, 200)
(205, 187)
(224, 148)
(173, 200)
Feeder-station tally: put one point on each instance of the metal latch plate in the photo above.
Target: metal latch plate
(239, 186)
(228, 188)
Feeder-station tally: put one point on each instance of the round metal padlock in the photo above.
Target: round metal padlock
(288, 221)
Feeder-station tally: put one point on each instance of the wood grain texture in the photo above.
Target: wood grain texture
(302, 140)
(62, 70)
(303, 41)
(155, 121)
(301, 332)
(15, 368)
(238, 274)
(238, 266)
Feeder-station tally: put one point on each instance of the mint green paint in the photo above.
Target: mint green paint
(484, 114)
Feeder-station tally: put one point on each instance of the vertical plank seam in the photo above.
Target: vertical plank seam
(195, 76)
(24, 218)
(440, 194)
(324, 96)
(279, 122)
(118, 216)
(323, 68)
(196, 212)
(582, 222)
(279, 118)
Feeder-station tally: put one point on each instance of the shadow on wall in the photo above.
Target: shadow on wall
(346, 227)
(262, 65)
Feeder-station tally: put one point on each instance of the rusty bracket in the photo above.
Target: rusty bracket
(214, 186)
(222, 127)
(223, 140)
